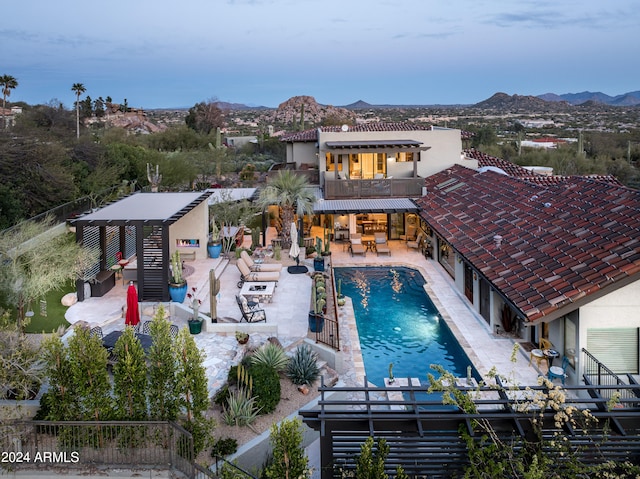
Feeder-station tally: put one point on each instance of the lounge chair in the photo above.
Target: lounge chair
(356, 246)
(253, 266)
(381, 243)
(415, 244)
(255, 276)
(250, 314)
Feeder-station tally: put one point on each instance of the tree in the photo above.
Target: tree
(79, 89)
(289, 459)
(370, 462)
(36, 260)
(88, 359)
(163, 400)
(60, 401)
(130, 378)
(193, 393)
(292, 193)
(205, 117)
(229, 213)
(8, 83)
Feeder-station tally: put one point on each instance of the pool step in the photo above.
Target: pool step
(397, 395)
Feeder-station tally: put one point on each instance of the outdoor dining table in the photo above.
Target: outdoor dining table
(109, 341)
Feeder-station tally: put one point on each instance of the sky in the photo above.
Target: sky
(161, 54)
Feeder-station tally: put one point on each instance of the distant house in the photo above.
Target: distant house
(554, 257)
(240, 141)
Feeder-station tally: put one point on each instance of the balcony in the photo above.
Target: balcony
(379, 188)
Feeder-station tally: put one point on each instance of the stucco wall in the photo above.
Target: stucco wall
(445, 149)
(615, 310)
(193, 225)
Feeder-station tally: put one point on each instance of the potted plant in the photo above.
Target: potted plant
(195, 322)
(242, 337)
(316, 318)
(318, 261)
(177, 284)
(214, 245)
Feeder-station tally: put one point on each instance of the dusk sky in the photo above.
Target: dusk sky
(161, 54)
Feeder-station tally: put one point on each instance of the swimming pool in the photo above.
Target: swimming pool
(398, 323)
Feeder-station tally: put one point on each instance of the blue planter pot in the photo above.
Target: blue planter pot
(178, 292)
(316, 323)
(318, 264)
(214, 250)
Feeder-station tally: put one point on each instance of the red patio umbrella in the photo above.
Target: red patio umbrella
(133, 312)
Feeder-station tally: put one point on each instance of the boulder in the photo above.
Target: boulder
(69, 299)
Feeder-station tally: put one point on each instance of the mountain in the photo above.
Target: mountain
(503, 101)
(223, 105)
(626, 99)
(290, 110)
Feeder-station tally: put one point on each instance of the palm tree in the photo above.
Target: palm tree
(8, 83)
(292, 193)
(79, 89)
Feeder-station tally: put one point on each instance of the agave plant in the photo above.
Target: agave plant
(303, 366)
(241, 409)
(271, 355)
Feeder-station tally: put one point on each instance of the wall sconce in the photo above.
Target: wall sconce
(475, 276)
(459, 259)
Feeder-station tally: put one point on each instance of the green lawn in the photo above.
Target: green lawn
(55, 312)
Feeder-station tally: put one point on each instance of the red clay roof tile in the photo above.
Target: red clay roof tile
(560, 240)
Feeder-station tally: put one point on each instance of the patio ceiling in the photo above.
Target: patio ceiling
(152, 208)
(373, 205)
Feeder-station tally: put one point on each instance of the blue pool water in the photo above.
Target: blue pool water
(398, 323)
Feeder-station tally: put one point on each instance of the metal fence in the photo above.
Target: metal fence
(64, 445)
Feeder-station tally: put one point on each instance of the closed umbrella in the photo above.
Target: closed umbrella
(294, 252)
(133, 312)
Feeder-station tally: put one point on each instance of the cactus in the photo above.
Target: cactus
(176, 269)
(327, 238)
(214, 289)
(154, 178)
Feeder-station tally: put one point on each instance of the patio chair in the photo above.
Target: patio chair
(556, 372)
(246, 275)
(415, 244)
(96, 331)
(381, 243)
(249, 314)
(146, 327)
(253, 266)
(356, 246)
(173, 331)
(537, 354)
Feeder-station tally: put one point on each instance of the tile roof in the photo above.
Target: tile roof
(312, 134)
(561, 242)
(485, 160)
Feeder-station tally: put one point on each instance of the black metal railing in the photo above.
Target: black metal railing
(329, 334)
(596, 373)
(57, 445)
(424, 435)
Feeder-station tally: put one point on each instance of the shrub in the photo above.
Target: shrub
(303, 366)
(266, 387)
(224, 446)
(270, 355)
(221, 396)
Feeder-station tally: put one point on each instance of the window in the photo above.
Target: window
(404, 156)
(331, 162)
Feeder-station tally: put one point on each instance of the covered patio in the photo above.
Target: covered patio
(140, 232)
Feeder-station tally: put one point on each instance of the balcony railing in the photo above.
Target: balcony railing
(380, 188)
